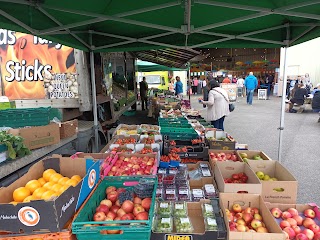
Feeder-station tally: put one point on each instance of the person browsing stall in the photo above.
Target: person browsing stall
(179, 87)
(217, 105)
(144, 93)
(298, 98)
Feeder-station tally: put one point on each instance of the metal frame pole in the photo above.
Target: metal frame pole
(94, 99)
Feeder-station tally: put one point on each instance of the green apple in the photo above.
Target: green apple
(245, 160)
(274, 179)
(266, 177)
(257, 157)
(243, 155)
(260, 175)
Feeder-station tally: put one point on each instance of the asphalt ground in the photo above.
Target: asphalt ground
(257, 126)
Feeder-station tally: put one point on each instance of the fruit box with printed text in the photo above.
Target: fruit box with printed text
(278, 184)
(48, 215)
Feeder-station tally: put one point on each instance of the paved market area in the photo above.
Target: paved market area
(257, 126)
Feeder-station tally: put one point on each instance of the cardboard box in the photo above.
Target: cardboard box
(224, 170)
(52, 216)
(37, 137)
(115, 138)
(192, 152)
(197, 221)
(124, 129)
(252, 153)
(284, 190)
(69, 128)
(228, 144)
(213, 161)
(253, 201)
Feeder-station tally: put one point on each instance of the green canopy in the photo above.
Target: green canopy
(144, 66)
(126, 25)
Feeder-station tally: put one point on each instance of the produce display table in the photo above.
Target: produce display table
(10, 166)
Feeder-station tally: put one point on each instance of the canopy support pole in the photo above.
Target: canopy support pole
(283, 100)
(94, 99)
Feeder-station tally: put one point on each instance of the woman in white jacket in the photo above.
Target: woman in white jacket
(218, 105)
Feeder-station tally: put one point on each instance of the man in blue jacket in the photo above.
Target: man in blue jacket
(251, 84)
(179, 88)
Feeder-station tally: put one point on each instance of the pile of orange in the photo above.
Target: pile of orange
(49, 186)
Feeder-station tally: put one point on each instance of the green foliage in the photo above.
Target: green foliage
(15, 145)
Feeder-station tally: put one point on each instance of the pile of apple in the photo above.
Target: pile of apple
(223, 156)
(110, 208)
(265, 177)
(298, 226)
(245, 220)
(237, 178)
(128, 166)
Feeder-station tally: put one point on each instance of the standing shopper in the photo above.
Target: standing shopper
(251, 84)
(179, 88)
(240, 86)
(307, 83)
(205, 89)
(195, 85)
(171, 86)
(144, 93)
(218, 105)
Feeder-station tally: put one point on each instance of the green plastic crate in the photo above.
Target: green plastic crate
(178, 133)
(130, 229)
(17, 118)
(175, 125)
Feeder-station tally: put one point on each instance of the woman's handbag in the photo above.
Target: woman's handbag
(231, 105)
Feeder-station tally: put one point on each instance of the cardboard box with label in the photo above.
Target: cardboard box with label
(220, 140)
(223, 170)
(197, 220)
(253, 201)
(37, 137)
(284, 190)
(52, 215)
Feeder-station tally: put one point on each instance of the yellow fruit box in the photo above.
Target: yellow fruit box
(227, 200)
(51, 215)
(283, 189)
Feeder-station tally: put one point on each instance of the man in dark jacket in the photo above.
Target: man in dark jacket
(298, 98)
(316, 100)
(144, 93)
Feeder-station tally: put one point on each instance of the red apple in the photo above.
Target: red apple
(137, 210)
(247, 217)
(276, 212)
(117, 219)
(142, 216)
(114, 208)
(254, 210)
(262, 230)
(118, 203)
(314, 228)
(286, 215)
(110, 189)
(112, 196)
(111, 215)
(284, 224)
(127, 206)
(99, 216)
(146, 203)
(316, 236)
(296, 229)
(290, 232)
(127, 217)
(309, 213)
(257, 216)
(248, 210)
(232, 226)
(106, 202)
(236, 208)
(301, 236)
(120, 212)
(292, 222)
(137, 200)
(308, 233)
(307, 222)
(120, 190)
(102, 208)
(241, 228)
(299, 220)
(293, 212)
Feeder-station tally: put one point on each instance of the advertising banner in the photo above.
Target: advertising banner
(35, 68)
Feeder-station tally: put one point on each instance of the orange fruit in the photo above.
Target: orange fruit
(42, 181)
(55, 177)
(20, 194)
(71, 182)
(56, 187)
(76, 177)
(63, 180)
(37, 194)
(29, 198)
(48, 194)
(63, 188)
(33, 185)
(47, 174)
(49, 185)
